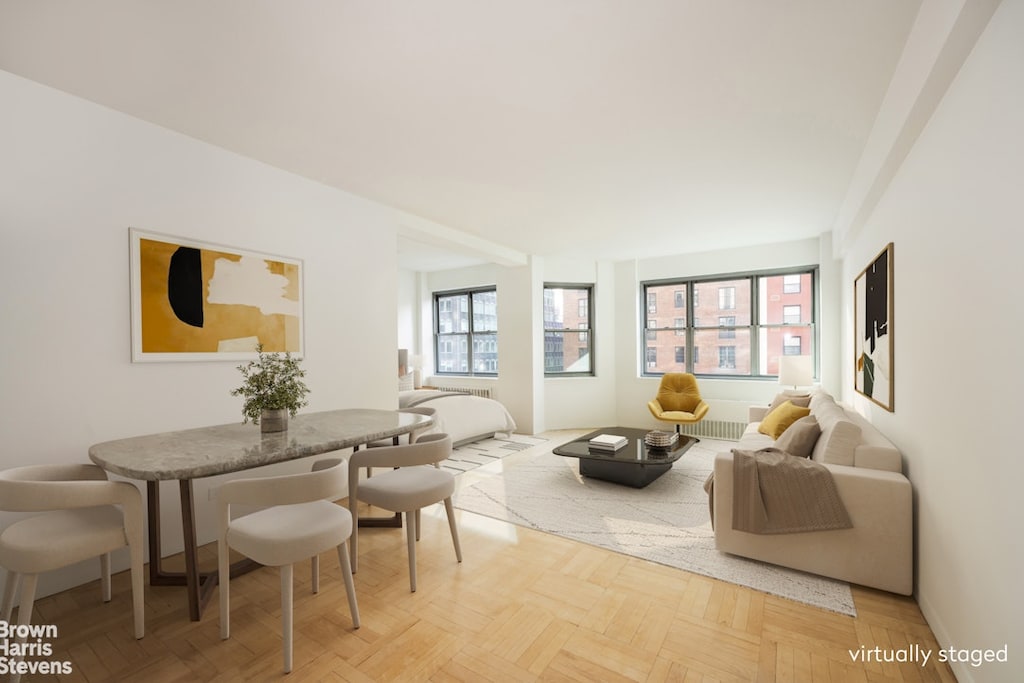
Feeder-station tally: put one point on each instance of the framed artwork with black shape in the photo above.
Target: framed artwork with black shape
(873, 330)
(193, 300)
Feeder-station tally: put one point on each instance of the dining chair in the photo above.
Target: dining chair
(84, 516)
(417, 482)
(301, 523)
(413, 435)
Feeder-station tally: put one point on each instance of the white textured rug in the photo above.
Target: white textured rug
(667, 522)
(473, 455)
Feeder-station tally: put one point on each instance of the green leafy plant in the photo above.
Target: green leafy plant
(271, 382)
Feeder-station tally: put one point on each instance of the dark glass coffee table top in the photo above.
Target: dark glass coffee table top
(635, 464)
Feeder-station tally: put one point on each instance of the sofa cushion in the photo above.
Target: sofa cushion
(839, 438)
(800, 437)
(820, 398)
(776, 421)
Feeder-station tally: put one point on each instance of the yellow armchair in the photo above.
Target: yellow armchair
(678, 400)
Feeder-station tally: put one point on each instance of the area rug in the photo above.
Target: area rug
(667, 522)
(479, 453)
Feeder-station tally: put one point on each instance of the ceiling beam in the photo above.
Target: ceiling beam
(939, 43)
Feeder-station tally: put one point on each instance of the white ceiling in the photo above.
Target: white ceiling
(597, 128)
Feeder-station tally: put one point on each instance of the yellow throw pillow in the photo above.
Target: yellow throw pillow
(776, 422)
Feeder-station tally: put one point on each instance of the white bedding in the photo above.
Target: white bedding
(464, 417)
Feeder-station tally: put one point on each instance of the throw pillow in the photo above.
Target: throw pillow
(802, 401)
(776, 422)
(800, 437)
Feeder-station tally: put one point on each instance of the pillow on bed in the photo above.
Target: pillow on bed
(405, 382)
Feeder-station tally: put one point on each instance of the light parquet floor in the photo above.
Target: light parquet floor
(523, 606)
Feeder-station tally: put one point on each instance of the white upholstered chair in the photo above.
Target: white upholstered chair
(413, 435)
(84, 516)
(302, 523)
(419, 481)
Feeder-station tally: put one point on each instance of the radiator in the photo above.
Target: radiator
(482, 393)
(715, 429)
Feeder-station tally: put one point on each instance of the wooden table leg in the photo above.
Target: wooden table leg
(188, 527)
(199, 586)
(393, 522)
(153, 522)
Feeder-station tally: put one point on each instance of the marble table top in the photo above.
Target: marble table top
(207, 451)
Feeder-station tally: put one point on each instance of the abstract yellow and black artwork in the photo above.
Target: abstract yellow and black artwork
(197, 301)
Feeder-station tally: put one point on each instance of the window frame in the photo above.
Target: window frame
(577, 332)
(808, 331)
(468, 336)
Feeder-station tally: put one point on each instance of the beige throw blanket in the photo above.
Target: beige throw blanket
(777, 493)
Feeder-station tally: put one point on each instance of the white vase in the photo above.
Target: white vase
(274, 420)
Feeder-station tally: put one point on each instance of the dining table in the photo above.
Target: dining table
(190, 454)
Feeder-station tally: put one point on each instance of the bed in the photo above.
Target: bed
(466, 418)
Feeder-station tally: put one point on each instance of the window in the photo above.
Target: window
(679, 299)
(726, 327)
(792, 345)
(726, 298)
(745, 323)
(568, 330)
(652, 305)
(466, 332)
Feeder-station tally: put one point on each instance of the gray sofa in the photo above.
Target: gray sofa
(868, 472)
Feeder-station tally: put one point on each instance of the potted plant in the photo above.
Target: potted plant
(273, 390)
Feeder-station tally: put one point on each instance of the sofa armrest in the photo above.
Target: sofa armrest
(756, 413)
(877, 551)
(878, 458)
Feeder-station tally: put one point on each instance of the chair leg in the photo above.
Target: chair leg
(105, 576)
(11, 585)
(353, 544)
(286, 615)
(223, 588)
(353, 540)
(28, 598)
(450, 511)
(350, 585)
(138, 592)
(418, 524)
(410, 535)
(315, 573)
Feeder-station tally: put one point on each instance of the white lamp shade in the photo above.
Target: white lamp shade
(796, 371)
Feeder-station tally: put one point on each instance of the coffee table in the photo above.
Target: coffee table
(636, 464)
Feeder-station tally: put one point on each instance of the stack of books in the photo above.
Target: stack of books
(608, 442)
(659, 439)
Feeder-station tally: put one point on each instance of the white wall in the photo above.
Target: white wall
(954, 213)
(73, 177)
